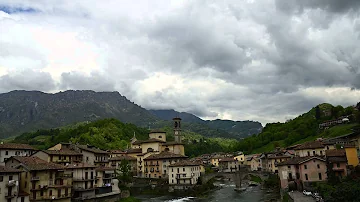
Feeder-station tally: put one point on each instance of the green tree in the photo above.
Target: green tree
(123, 173)
(317, 112)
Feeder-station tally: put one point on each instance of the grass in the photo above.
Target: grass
(255, 178)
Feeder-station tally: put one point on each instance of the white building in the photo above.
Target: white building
(8, 150)
(184, 174)
(84, 177)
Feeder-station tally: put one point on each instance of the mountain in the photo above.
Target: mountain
(25, 111)
(22, 111)
(301, 129)
(235, 129)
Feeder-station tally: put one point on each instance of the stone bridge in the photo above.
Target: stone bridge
(237, 176)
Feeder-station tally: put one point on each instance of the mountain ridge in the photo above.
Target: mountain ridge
(25, 111)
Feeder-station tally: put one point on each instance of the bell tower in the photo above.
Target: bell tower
(177, 129)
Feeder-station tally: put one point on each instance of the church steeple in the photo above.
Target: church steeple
(133, 139)
(177, 129)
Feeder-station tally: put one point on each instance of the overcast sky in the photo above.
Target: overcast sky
(264, 60)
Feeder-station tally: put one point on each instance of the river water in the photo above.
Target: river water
(225, 194)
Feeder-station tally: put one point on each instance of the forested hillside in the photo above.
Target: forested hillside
(113, 134)
(303, 128)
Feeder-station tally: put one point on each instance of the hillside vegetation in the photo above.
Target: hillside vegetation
(301, 129)
(112, 134)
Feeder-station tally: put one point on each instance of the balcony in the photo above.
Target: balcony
(63, 176)
(35, 178)
(111, 176)
(182, 177)
(78, 179)
(11, 183)
(11, 195)
(80, 189)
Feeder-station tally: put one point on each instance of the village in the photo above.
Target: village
(73, 172)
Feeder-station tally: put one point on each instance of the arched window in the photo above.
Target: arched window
(166, 149)
(150, 149)
(160, 136)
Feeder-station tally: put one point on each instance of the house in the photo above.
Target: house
(41, 179)
(348, 139)
(8, 150)
(106, 182)
(253, 161)
(273, 160)
(338, 162)
(156, 165)
(116, 152)
(313, 148)
(9, 185)
(84, 177)
(240, 158)
(214, 160)
(351, 154)
(62, 156)
(184, 174)
(91, 154)
(228, 165)
(302, 171)
(116, 161)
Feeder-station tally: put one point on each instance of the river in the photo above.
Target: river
(225, 194)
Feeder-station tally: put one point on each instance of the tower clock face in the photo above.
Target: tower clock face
(176, 132)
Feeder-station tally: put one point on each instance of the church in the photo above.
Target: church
(155, 154)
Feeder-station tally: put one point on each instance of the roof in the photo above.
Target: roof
(92, 149)
(66, 152)
(227, 159)
(279, 157)
(164, 155)
(310, 145)
(104, 168)
(133, 151)
(124, 157)
(299, 160)
(185, 163)
(79, 165)
(336, 159)
(16, 146)
(148, 141)
(4, 169)
(335, 152)
(116, 151)
(157, 131)
(172, 143)
(35, 163)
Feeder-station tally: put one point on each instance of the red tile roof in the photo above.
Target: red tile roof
(4, 169)
(124, 157)
(35, 163)
(335, 152)
(92, 149)
(66, 152)
(79, 165)
(310, 145)
(16, 146)
(164, 155)
(185, 163)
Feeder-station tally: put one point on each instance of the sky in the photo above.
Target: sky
(263, 60)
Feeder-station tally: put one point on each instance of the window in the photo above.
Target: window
(25, 185)
(172, 175)
(305, 166)
(297, 175)
(313, 153)
(6, 152)
(318, 166)
(50, 193)
(327, 147)
(1, 178)
(289, 167)
(306, 177)
(22, 199)
(184, 169)
(160, 136)
(321, 153)
(320, 177)
(308, 153)
(290, 176)
(338, 165)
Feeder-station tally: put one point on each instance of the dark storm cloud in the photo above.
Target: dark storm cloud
(95, 81)
(333, 6)
(27, 80)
